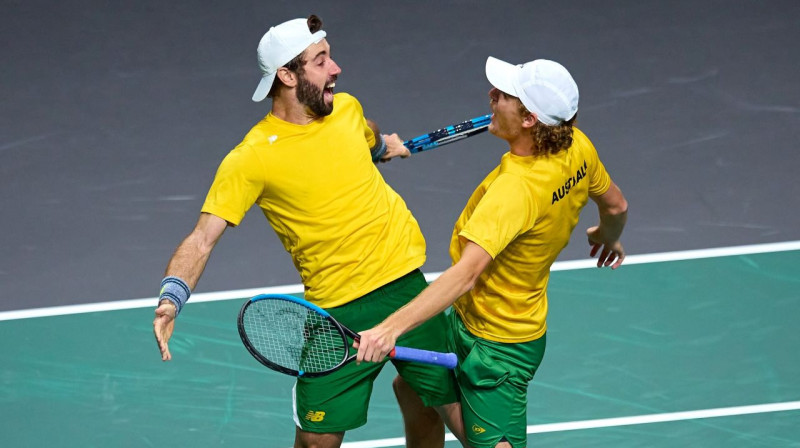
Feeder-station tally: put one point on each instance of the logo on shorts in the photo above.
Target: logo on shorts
(315, 416)
(477, 429)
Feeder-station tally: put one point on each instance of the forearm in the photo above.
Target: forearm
(613, 210)
(183, 272)
(189, 260)
(437, 297)
(375, 343)
(612, 223)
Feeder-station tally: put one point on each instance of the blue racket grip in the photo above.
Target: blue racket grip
(448, 360)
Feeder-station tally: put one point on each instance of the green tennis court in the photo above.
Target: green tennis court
(696, 352)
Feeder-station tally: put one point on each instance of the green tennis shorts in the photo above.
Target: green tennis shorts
(338, 401)
(493, 378)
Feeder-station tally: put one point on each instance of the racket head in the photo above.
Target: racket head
(292, 336)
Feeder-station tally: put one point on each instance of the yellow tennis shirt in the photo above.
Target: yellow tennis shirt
(522, 214)
(347, 231)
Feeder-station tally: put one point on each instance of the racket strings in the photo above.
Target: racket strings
(293, 336)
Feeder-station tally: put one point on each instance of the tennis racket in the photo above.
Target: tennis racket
(295, 337)
(449, 134)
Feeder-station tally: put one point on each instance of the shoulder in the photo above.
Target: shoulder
(266, 126)
(580, 139)
(511, 186)
(345, 99)
(346, 106)
(581, 148)
(243, 154)
(266, 133)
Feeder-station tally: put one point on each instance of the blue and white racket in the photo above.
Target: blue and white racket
(449, 134)
(295, 337)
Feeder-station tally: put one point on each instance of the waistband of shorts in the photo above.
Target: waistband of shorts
(386, 289)
(399, 282)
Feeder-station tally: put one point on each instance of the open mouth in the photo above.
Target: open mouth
(328, 91)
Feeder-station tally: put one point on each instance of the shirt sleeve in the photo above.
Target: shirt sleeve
(504, 212)
(368, 134)
(599, 180)
(237, 185)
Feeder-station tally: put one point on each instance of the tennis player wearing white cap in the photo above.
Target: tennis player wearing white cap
(309, 166)
(511, 231)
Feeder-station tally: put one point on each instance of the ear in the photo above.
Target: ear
(529, 120)
(287, 77)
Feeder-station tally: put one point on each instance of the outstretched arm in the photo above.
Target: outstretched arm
(376, 343)
(187, 263)
(605, 237)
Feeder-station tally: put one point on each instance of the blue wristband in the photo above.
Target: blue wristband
(176, 291)
(379, 149)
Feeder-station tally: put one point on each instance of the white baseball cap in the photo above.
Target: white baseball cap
(545, 87)
(279, 46)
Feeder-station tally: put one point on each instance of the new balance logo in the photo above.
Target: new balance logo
(315, 416)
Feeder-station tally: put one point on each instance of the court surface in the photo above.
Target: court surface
(682, 349)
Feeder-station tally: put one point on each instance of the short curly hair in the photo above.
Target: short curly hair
(550, 139)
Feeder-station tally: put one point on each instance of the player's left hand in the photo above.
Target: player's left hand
(394, 148)
(375, 344)
(608, 253)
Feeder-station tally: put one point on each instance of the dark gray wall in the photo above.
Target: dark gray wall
(114, 117)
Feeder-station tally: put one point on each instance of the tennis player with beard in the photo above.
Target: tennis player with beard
(310, 166)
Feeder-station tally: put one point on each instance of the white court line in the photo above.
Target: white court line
(617, 421)
(297, 288)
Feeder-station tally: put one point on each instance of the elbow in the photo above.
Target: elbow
(466, 287)
(469, 281)
(473, 262)
(618, 209)
(612, 203)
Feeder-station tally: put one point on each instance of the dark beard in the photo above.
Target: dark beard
(313, 98)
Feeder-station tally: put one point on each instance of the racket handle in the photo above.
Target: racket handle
(448, 360)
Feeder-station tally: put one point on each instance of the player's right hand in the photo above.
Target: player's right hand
(375, 344)
(163, 325)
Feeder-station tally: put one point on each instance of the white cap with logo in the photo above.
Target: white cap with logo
(545, 87)
(279, 46)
